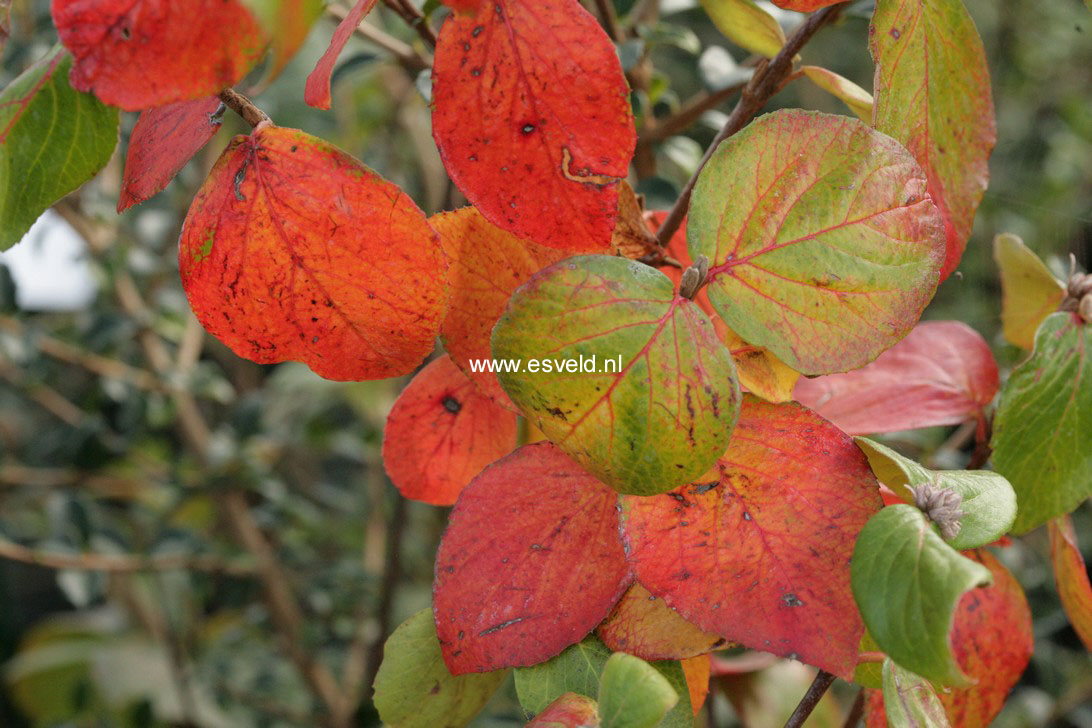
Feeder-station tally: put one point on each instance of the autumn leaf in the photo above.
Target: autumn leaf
(642, 625)
(163, 141)
(932, 90)
(487, 265)
(657, 398)
(1071, 577)
(531, 561)
(52, 140)
(1029, 291)
(856, 98)
(441, 432)
(293, 250)
(570, 710)
(137, 54)
(992, 641)
(942, 373)
(532, 116)
(823, 243)
(760, 554)
(317, 90)
(1040, 431)
(697, 671)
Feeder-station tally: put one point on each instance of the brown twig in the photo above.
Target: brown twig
(122, 563)
(856, 711)
(413, 17)
(609, 19)
(819, 686)
(392, 573)
(688, 113)
(244, 107)
(764, 84)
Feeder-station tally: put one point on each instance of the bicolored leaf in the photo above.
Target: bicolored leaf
(1071, 577)
(933, 95)
(824, 246)
(633, 694)
(697, 671)
(856, 98)
(987, 500)
(747, 25)
(642, 625)
(909, 700)
(907, 583)
(294, 250)
(656, 396)
(52, 140)
(992, 641)
(163, 141)
(317, 91)
(1041, 429)
(804, 6)
(531, 561)
(441, 433)
(1029, 291)
(413, 688)
(942, 373)
(286, 23)
(579, 670)
(568, 711)
(532, 117)
(137, 54)
(759, 553)
(487, 266)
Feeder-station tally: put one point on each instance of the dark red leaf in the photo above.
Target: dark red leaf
(759, 553)
(163, 141)
(317, 90)
(441, 432)
(137, 54)
(532, 116)
(530, 563)
(942, 373)
(294, 250)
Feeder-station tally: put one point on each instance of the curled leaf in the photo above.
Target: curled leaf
(1071, 577)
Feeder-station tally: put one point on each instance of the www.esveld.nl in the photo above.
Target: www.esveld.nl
(587, 364)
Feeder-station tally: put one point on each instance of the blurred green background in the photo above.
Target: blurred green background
(124, 430)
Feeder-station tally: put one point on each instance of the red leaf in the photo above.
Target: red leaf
(137, 54)
(293, 250)
(463, 6)
(530, 562)
(942, 373)
(642, 625)
(992, 640)
(568, 711)
(804, 6)
(317, 90)
(163, 141)
(532, 117)
(441, 433)
(761, 555)
(1071, 577)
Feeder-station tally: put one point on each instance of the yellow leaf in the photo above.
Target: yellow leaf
(856, 98)
(746, 25)
(1030, 292)
(760, 372)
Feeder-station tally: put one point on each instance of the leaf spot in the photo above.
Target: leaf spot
(451, 404)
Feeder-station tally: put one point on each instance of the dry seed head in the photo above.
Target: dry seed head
(941, 506)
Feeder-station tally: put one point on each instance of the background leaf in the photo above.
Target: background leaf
(633, 694)
(1029, 291)
(642, 625)
(1071, 577)
(747, 25)
(823, 243)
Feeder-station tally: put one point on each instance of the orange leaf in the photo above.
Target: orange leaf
(532, 116)
(642, 625)
(1071, 577)
(441, 433)
(761, 555)
(697, 670)
(136, 54)
(530, 563)
(293, 250)
(316, 92)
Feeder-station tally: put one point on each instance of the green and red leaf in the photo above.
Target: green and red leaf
(441, 432)
(531, 561)
(136, 54)
(642, 625)
(293, 250)
(942, 373)
(163, 141)
(824, 246)
(317, 90)
(532, 116)
(932, 94)
(1071, 577)
(759, 554)
(570, 710)
(804, 6)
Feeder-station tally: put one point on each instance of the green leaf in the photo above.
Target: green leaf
(1029, 291)
(52, 140)
(856, 98)
(633, 694)
(579, 669)
(660, 405)
(414, 688)
(1041, 432)
(988, 501)
(909, 700)
(746, 25)
(824, 246)
(907, 583)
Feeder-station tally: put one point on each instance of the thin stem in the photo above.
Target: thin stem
(121, 563)
(609, 19)
(690, 112)
(815, 693)
(392, 573)
(413, 17)
(244, 107)
(855, 711)
(764, 84)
